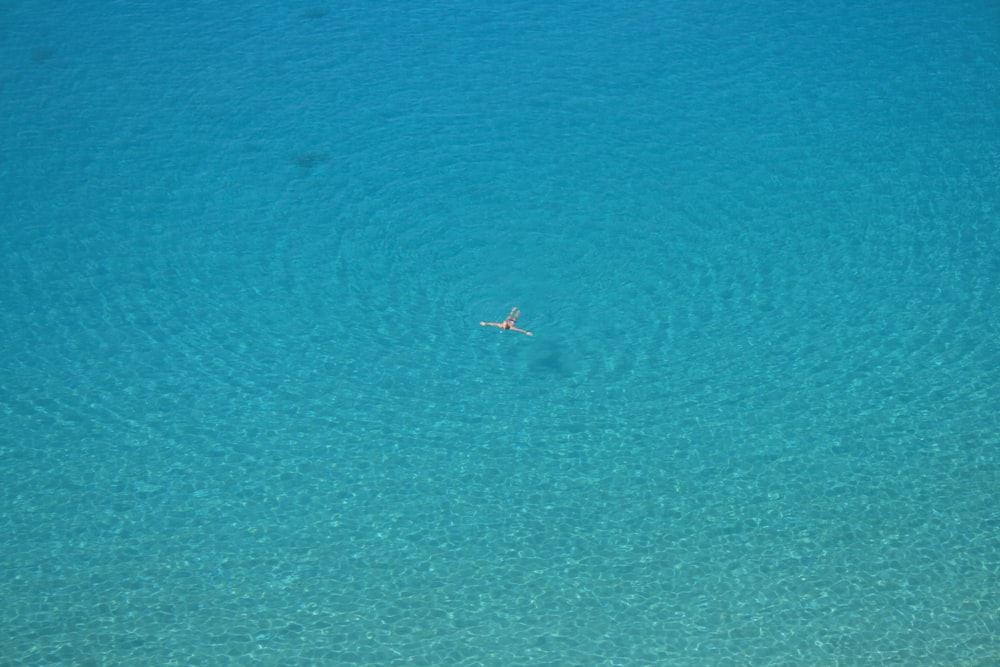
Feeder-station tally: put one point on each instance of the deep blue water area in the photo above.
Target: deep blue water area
(248, 414)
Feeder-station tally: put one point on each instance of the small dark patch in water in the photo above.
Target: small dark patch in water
(551, 359)
(314, 13)
(43, 54)
(310, 160)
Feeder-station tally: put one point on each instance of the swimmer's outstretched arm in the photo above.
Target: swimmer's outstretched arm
(500, 325)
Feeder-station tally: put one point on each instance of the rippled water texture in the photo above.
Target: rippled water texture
(248, 415)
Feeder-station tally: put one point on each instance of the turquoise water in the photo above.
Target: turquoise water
(248, 415)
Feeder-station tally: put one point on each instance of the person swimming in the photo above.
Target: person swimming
(508, 324)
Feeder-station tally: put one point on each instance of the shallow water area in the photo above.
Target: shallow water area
(248, 414)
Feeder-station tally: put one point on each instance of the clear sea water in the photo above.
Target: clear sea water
(248, 415)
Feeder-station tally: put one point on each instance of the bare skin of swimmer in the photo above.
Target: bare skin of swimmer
(509, 324)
